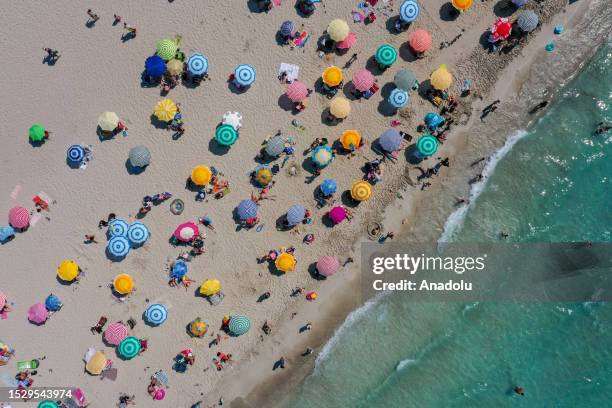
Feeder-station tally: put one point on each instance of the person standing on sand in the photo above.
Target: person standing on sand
(350, 61)
(90, 238)
(538, 107)
(93, 16)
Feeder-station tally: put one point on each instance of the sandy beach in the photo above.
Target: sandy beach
(98, 71)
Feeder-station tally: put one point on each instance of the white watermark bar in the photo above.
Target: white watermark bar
(34, 394)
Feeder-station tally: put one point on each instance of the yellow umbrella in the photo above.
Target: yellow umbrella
(165, 110)
(350, 139)
(123, 284)
(462, 5)
(197, 328)
(201, 175)
(263, 176)
(210, 287)
(338, 30)
(108, 121)
(441, 79)
(96, 363)
(332, 76)
(361, 190)
(285, 262)
(68, 270)
(340, 107)
(174, 67)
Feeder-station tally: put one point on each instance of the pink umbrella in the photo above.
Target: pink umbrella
(160, 393)
(337, 215)
(297, 91)
(502, 29)
(187, 232)
(19, 217)
(363, 80)
(114, 333)
(348, 42)
(38, 313)
(2, 300)
(328, 265)
(419, 40)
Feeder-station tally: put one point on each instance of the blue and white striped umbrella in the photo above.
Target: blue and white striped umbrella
(197, 64)
(286, 28)
(398, 98)
(409, 11)
(118, 228)
(156, 314)
(328, 186)
(137, 233)
(118, 246)
(244, 75)
(76, 153)
(296, 214)
(390, 140)
(246, 209)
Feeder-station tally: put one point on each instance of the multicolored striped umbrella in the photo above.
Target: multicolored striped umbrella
(328, 265)
(361, 190)
(155, 66)
(363, 80)
(296, 214)
(420, 40)
(263, 175)
(140, 156)
(398, 98)
(275, 146)
(246, 209)
(118, 247)
(322, 156)
(129, 348)
(226, 135)
(337, 214)
(386, 55)
(328, 186)
(19, 217)
(137, 233)
(115, 333)
(239, 325)
(427, 145)
(409, 11)
(156, 314)
(36, 133)
(76, 153)
(297, 91)
(405, 79)
(186, 232)
(197, 64)
(167, 49)
(244, 75)
(118, 228)
(53, 303)
(286, 28)
(390, 140)
(528, 21)
(165, 110)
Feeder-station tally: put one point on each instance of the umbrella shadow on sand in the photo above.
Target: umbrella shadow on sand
(216, 148)
(273, 270)
(133, 170)
(285, 104)
(384, 107)
(325, 220)
(312, 270)
(484, 40)
(373, 67)
(390, 26)
(112, 257)
(448, 12)
(159, 124)
(411, 155)
(73, 165)
(406, 53)
(347, 200)
(234, 89)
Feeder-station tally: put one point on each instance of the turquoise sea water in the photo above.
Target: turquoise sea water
(553, 186)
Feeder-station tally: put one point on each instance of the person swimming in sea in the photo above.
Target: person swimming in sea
(602, 127)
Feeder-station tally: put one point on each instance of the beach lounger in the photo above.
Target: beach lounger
(216, 299)
(27, 365)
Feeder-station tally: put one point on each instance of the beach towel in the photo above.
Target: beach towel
(277, 3)
(300, 42)
(290, 70)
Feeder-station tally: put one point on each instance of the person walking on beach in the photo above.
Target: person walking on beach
(492, 107)
(90, 238)
(478, 161)
(52, 56)
(131, 30)
(93, 16)
(539, 106)
(280, 363)
(350, 61)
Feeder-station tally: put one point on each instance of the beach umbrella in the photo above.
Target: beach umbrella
(338, 29)
(38, 313)
(263, 175)
(197, 64)
(115, 333)
(118, 247)
(137, 233)
(19, 217)
(118, 228)
(398, 98)
(155, 66)
(297, 91)
(501, 29)
(332, 76)
(285, 262)
(462, 5)
(187, 231)
(350, 139)
(519, 3)
(97, 363)
(210, 287)
(167, 49)
(53, 303)
(156, 314)
(246, 209)
(2, 300)
(239, 325)
(361, 190)
(129, 348)
(405, 79)
(47, 404)
(123, 284)
(419, 40)
(275, 146)
(286, 28)
(108, 121)
(328, 265)
(197, 328)
(296, 214)
(427, 145)
(165, 110)
(322, 156)
(363, 80)
(433, 120)
(340, 107)
(36, 133)
(441, 79)
(6, 232)
(76, 153)
(68, 270)
(140, 156)
(175, 67)
(409, 11)
(390, 140)
(201, 175)
(179, 269)
(226, 135)
(244, 75)
(232, 118)
(337, 214)
(328, 186)
(386, 55)
(348, 42)
(527, 21)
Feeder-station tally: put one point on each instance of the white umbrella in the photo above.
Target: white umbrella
(233, 118)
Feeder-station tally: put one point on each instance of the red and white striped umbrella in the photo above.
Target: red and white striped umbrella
(419, 40)
(297, 91)
(2, 300)
(19, 217)
(501, 29)
(115, 333)
(363, 80)
(328, 265)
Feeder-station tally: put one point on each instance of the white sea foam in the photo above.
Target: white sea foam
(405, 363)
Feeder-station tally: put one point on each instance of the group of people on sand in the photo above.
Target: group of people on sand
(222, 358)
(149, 201)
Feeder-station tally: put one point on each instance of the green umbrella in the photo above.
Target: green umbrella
(226, 135)
(405, 79)
(47, 404)
(427, 145)
(239, 325)
(129, 347)
(386, 55)
(37, 133)
(167, 49)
